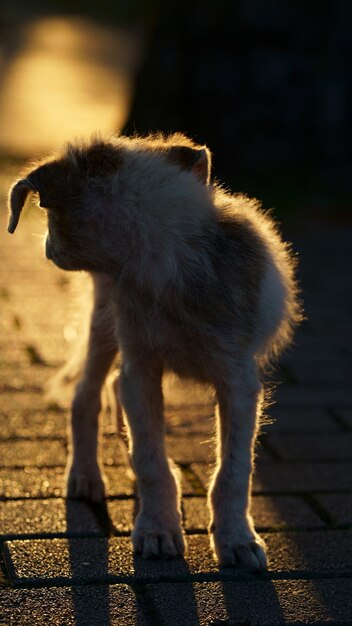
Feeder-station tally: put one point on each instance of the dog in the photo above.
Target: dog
(187, 279)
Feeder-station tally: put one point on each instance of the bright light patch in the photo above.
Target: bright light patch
(67, 79)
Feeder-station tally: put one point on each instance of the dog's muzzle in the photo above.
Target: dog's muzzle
(57, 258)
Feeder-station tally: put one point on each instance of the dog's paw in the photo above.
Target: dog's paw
(248, 553)
(85, 484)
(152, 541)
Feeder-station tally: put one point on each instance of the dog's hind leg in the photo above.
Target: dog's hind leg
(157, 529)
(84, 476)
(234, 538)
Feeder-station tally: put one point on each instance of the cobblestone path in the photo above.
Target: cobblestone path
(68, 563)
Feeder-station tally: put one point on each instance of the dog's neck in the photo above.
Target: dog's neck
(157, 232)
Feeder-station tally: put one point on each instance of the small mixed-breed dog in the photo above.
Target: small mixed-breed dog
(188, 279)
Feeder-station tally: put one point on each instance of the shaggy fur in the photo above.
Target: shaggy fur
(187, 279)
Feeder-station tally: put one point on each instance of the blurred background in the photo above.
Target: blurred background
(266, 85)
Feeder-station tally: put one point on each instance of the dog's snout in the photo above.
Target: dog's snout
(54, 253)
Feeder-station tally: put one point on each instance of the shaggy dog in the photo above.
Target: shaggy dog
(188, 279)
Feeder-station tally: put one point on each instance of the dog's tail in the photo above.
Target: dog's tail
(60, 387)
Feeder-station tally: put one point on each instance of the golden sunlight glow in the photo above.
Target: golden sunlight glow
(69, 78)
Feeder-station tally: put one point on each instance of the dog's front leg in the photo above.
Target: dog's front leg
(157, 529)
(234, 538)
(84, 476)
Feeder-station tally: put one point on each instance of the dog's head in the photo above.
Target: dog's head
(58, 183)
(75, 190)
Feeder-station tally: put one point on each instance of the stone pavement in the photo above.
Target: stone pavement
(70, 563)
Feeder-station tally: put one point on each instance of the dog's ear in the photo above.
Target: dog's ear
(196, 160)
(17, 197)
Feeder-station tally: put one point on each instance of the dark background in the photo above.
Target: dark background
(266, 85)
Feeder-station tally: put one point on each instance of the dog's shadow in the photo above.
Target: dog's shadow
(95, 553)
(80, 554)
(221, 598)
(167, 570)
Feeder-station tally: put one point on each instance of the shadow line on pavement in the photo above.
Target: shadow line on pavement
(102, 609)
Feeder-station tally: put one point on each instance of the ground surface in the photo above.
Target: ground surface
(66, 563)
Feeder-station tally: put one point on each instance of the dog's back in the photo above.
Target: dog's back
(236, 293)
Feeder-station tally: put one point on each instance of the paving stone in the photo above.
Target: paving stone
(190, 419)
(121, 481)
(60, 560)
(314, 369)
(53, 423)
(47, 517)
(190, 485)
(34, 482)
(73, 606)
(338, 506)
(274, 512)
(33, 424)
(14, 356)
(35, 305)
(22, 453)
(31, 482)
(346, 416)
(22, 401)
(269, 512)
(262, 455)
(47, 342)
(266, 603)
(280, 512)
(321, 395)
(46, 482)
(195, 514)
(20, 322)
(204, 472)
(339, 329)
(38, 561)
(291, 420)
(104, 560)
(52, 353)
(319, 447)
(328, 551)
(25, 287)
(122, 513)
(113, 451)
(50, 453)
(319, 345)
(292, 477)
(200, 449)
(190, 449)
(303, 477)
(22, 378)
